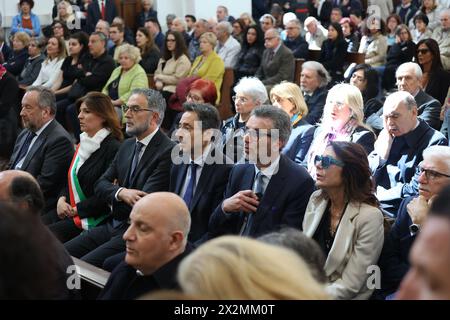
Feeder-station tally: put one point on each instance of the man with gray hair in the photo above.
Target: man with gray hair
(201, 26)
(295, 41)
(434, 176)
(277, 63)
(179, 25)
(43, 148)
(409, 79)
(314, 79)
(223, 15)
(398, 151)
(316, 34)
(228, 48)
(250, 93)
(270, 190)
(141, 166)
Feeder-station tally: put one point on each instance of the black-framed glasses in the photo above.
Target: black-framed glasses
(134, 108)
(327, 161)
(431, 174)
(423, 51)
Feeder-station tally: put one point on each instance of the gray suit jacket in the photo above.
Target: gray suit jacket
(357, 245)
(281, 67)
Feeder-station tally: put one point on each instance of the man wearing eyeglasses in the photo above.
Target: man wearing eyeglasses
(398, 151)
(141, 166)
(268, 192)
(434, 176)
(295, 41)
(277, 63)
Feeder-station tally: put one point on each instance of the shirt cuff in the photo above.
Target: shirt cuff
(117, 193)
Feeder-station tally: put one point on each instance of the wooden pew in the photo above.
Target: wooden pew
(224, 106)
(151, 81)
(93, 279)
(355, 57)
(298, 70)
(313, 55)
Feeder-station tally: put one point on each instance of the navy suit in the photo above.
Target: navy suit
(394, 259)
(429, 109)
(316, 103)
(283, 203)
(208, 193)
(94, 14)
(47, 160)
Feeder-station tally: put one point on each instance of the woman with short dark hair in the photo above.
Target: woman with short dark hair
(26, 21)
(344, 218)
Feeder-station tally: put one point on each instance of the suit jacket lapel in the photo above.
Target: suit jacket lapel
(37, 144)
(313, 214)
(342, 240)
(151, 149)
(181, 175)
(205, 177)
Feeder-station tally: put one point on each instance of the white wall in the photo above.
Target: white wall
(43, 8)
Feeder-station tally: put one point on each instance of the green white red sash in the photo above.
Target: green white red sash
(76, 195)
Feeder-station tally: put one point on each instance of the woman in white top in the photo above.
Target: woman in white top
(56, 53)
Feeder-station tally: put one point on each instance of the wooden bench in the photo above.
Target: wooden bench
(224, 106)
(314, 55)
(298, 70)
(355, 57)
(151, 81)
(93, 279)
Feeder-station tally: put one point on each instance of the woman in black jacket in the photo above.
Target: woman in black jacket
(435, 80)
(78, 207)
(333, 53)
(251, 53)
(402, 51)
(19, 57)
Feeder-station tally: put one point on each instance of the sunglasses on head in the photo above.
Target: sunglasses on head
(327, 161)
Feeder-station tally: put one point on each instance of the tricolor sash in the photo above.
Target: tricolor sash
(76, 195)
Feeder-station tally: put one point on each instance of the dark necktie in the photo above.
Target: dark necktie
(189, 194)
(271, 54)
(137, 150)
(24, 148)
(258, 190)
(191, 184)
(307, 97)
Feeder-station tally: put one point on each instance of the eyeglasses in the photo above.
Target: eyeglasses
(170, 40)
(338, 104)
(194, 98)
(236, 99)
(422, 51)
(134, 109)
(431, 174)
(269, 38)
(258, 133)
(327, 161)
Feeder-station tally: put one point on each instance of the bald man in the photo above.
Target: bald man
(156, 243)
(22, 190)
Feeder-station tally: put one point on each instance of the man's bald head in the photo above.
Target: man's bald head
(21, 188)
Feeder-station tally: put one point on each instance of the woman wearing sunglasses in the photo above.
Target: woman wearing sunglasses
(342, 120)
(344, 218)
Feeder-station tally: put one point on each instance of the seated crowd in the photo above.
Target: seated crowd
(122, 150)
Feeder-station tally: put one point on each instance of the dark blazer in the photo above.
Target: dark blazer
(281, 67)
(150, 60)
(100, 69)
(208, 193)
(298, 46)
(394, 259)
(48, 159)
(152, 172)
(438, 85)
(429, 109)
(143, 16)
(398, 174)
(248, 62)
(94, 14)
(88, 175)
(299, 141)
(9, 109)
(332, 57)
(315, 104)
(17, 61)
(31, 70)
(125, 284)
(283, 204)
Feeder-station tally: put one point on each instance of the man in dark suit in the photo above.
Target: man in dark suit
(22, 190)
(398, 151)
(141, 166)
(100, 9)
(313, 82)
(434, 177)
(271, 190)
(203, 190)
(294, 40)
(277, 63)
(43, 148)
(156, 242)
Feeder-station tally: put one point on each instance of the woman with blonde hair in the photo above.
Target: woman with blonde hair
(247, 19)
(56, 53)
(342, 120)
(127, 76)
(289, 97)
(232, 267)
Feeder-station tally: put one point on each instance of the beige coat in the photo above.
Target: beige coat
(173, 71)
(376, 51)
(443, 39)
(357, 246)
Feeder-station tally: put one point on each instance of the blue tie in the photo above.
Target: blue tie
(25, 146)
(134, 164)
(191, 185)
(258, 190)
